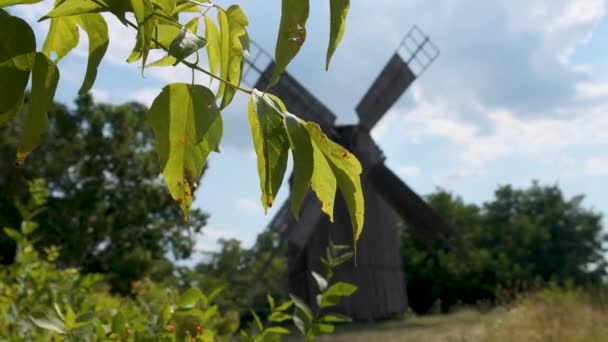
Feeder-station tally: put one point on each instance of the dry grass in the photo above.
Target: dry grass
(549, 315)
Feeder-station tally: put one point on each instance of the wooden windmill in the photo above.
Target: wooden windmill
(378, 273)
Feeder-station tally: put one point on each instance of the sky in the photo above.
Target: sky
(519, 93)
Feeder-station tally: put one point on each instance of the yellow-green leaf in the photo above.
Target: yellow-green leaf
(270, 142)
(166, 5)
(292, 34)
(188, 126)
(6, 3)
(97, 30)
(323, 181)
(77, 7)
(62, 37)
(144, 11)
(237, 21)
(347, 171)
(302, 153)
(44, 83)
(213, 44)
(338, 12)
(17, 54)
(222, 18)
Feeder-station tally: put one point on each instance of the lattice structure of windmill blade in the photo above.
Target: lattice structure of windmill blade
(257, 61)
(414, 55)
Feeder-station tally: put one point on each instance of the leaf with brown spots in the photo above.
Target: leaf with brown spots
(187, 125)
(345, 170)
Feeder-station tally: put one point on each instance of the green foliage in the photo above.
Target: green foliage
(522, 239)
(39, 301)
(183, 152)
(108, 211)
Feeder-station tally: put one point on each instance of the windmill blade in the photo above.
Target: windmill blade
(426, 224)
(414, 55)
(296, 97)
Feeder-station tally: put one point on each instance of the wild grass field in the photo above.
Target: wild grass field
(548, 315)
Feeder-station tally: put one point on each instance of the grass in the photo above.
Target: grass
(548, 315)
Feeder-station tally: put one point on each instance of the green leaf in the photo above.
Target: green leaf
(76, 7)
(49, 323)
(144, 11)
(189, 298)
(277, 330)
(279, 317)
(6, 3)
(119, 323)
(212, 34)
(62, 38)
(97, 31)
(216, 292)
(302, 321)
(222, 19)
(338, 12)
(17, 55)
(284, 306)
(44, 83)
(337, 261)
(270, 300)
(302, 153)
(323, 182)
(13, 234)
(188, 126)
(237, 22)
(323, 328)
(168, 6)
(321, 282)
(165, 315)
(300, 304)
(292, 34)
(270, 142)
(335, 318)
(257, 319)
(347, 171)
(70, 318)
(333, 295)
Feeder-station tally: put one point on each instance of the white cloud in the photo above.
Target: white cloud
(596, 166)
(101, 95)
(502, 132)
(592, 90)
(144, 96)
(407, 171)
(248, 205)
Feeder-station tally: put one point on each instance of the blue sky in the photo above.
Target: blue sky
(520, 92)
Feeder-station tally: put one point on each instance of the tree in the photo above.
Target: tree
(108, 211)
(186, 118)
(522, 238)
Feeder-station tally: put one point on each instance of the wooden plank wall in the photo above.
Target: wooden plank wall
(378, 274)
